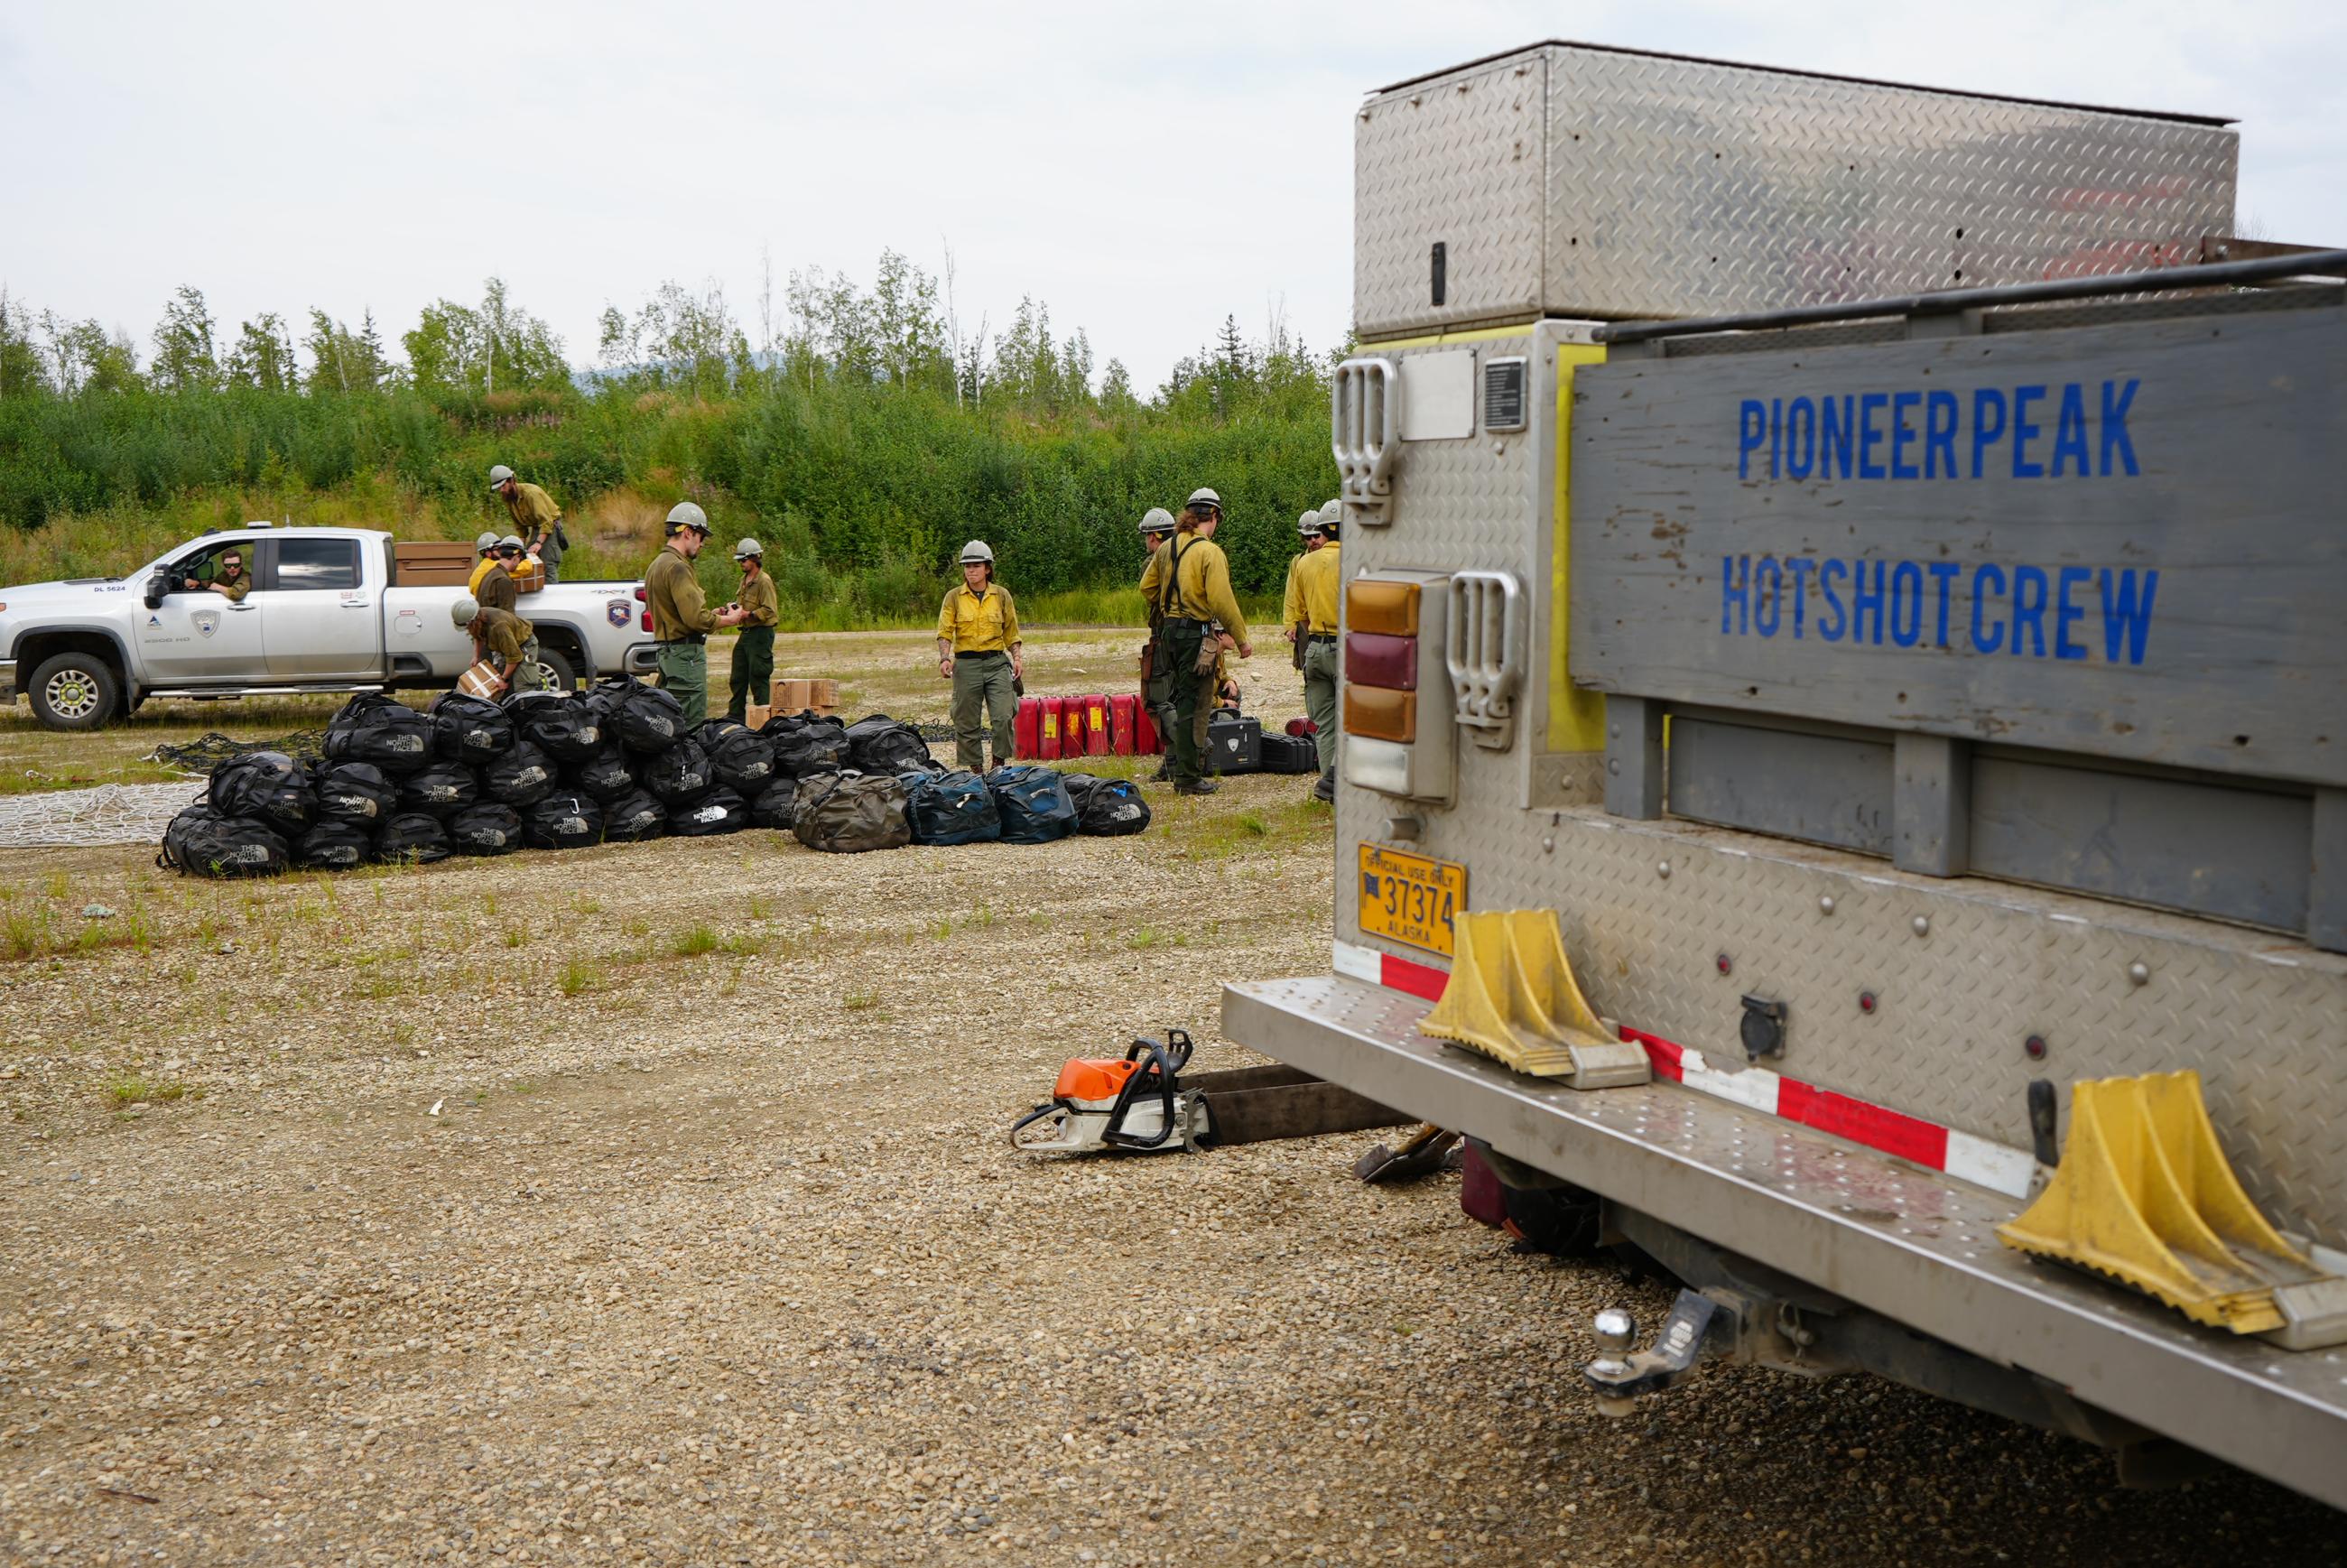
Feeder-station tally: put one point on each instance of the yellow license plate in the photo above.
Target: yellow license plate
(1410, 898)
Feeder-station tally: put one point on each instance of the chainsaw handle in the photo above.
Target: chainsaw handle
(1162, 1068)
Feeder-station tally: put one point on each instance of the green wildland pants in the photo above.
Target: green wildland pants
(753, 676)
(684, 675)
(1320, 698)
(981, 690)
(1192, 696)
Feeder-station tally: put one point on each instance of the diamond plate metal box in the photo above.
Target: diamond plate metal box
(1572, 180)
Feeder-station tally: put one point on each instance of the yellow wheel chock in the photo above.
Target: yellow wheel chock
(1511, 996)
(2145, 1195)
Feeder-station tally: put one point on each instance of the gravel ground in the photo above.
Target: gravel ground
(650, 1204)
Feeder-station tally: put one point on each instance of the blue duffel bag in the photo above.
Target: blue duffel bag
(951, 808)
(1033, 803)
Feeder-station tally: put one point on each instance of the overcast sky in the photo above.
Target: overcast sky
(1145, 171)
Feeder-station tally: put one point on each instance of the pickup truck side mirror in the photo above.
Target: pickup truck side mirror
(156, 587)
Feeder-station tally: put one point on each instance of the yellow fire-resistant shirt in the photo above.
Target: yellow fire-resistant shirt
(501, 634)
(1196, 584)
(481, 568)
(533, 511)
(673, 593)
(1314, 581)
(979, 625)
(758, 597)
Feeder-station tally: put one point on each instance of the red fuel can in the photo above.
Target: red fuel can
(1146, 741)
(1049, 736)
(1096, 727)
(1027, 728)
(1121, 712)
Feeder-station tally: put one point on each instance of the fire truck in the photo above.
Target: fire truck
(1844, 754)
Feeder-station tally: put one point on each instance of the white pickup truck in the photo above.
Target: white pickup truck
(326, 612)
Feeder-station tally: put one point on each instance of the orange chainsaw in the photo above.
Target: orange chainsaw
(1135, 1101)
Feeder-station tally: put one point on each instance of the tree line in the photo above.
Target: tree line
(866, 429)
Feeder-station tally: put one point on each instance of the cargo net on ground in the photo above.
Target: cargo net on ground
(544, 770)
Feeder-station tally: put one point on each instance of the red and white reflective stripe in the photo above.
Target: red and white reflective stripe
(1396, 974)
(1959, 1154)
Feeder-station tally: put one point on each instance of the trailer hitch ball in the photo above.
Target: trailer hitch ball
(1615, 1332)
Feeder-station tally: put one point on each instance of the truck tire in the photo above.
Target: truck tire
(555, 671)
(73, 692)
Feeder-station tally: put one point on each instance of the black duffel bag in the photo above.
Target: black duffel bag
(712, 811)
(356, 793)
(268, 786)
(678, 775)
(1107, 808)
(414, 837)
(486, 827)
(374, 728)
(523, 777)
(202, 841)
(634, 817)
(740, 758)
(880, 744)
(604, 777)
(441, 790)
(777, 806)
(468, 728)
(847, 813)
(564, 820)
(951, 808)
(805, 745)
(1034, 804)
(644, 718)
(567, 728)
(332, 845)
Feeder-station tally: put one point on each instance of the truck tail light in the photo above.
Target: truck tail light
(644, 619)
(1394, 626)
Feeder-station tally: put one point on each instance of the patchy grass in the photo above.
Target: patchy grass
(577, 977)
(693, 942)
(860, 1001)
(135, 1091)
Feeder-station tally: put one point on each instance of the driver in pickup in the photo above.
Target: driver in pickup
(223, 574)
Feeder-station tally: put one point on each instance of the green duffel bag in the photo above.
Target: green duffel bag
(848, 813)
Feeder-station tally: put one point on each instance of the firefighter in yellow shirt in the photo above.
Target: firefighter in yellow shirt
(979, 647)
(1191, 580)
(1316, 581)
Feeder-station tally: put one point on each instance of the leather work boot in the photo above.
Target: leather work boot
(1203, 786)
(1324, 789)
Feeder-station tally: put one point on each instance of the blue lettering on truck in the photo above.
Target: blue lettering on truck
(2069, 613)
(2077, 430)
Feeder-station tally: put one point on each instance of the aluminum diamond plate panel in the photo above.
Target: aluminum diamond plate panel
(1676, 188)
(1650, 910)
(1459, 162)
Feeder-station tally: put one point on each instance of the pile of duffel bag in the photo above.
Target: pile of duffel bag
(618, 762)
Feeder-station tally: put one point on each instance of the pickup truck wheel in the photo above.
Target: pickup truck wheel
(554, 672)
(72, 691)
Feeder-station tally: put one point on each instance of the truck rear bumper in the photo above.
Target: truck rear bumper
(1913, 1245)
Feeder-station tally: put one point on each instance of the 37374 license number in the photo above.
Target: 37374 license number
(1410, 898)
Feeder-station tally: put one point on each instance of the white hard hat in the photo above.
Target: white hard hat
(488, 541)
(1203, 497)
(1332, 510)
(747, 548)
(1309, 523)
(1157, 520)
(464, 610)
(499, 474)
(977, 550)
(511, 541)
(685, 515)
